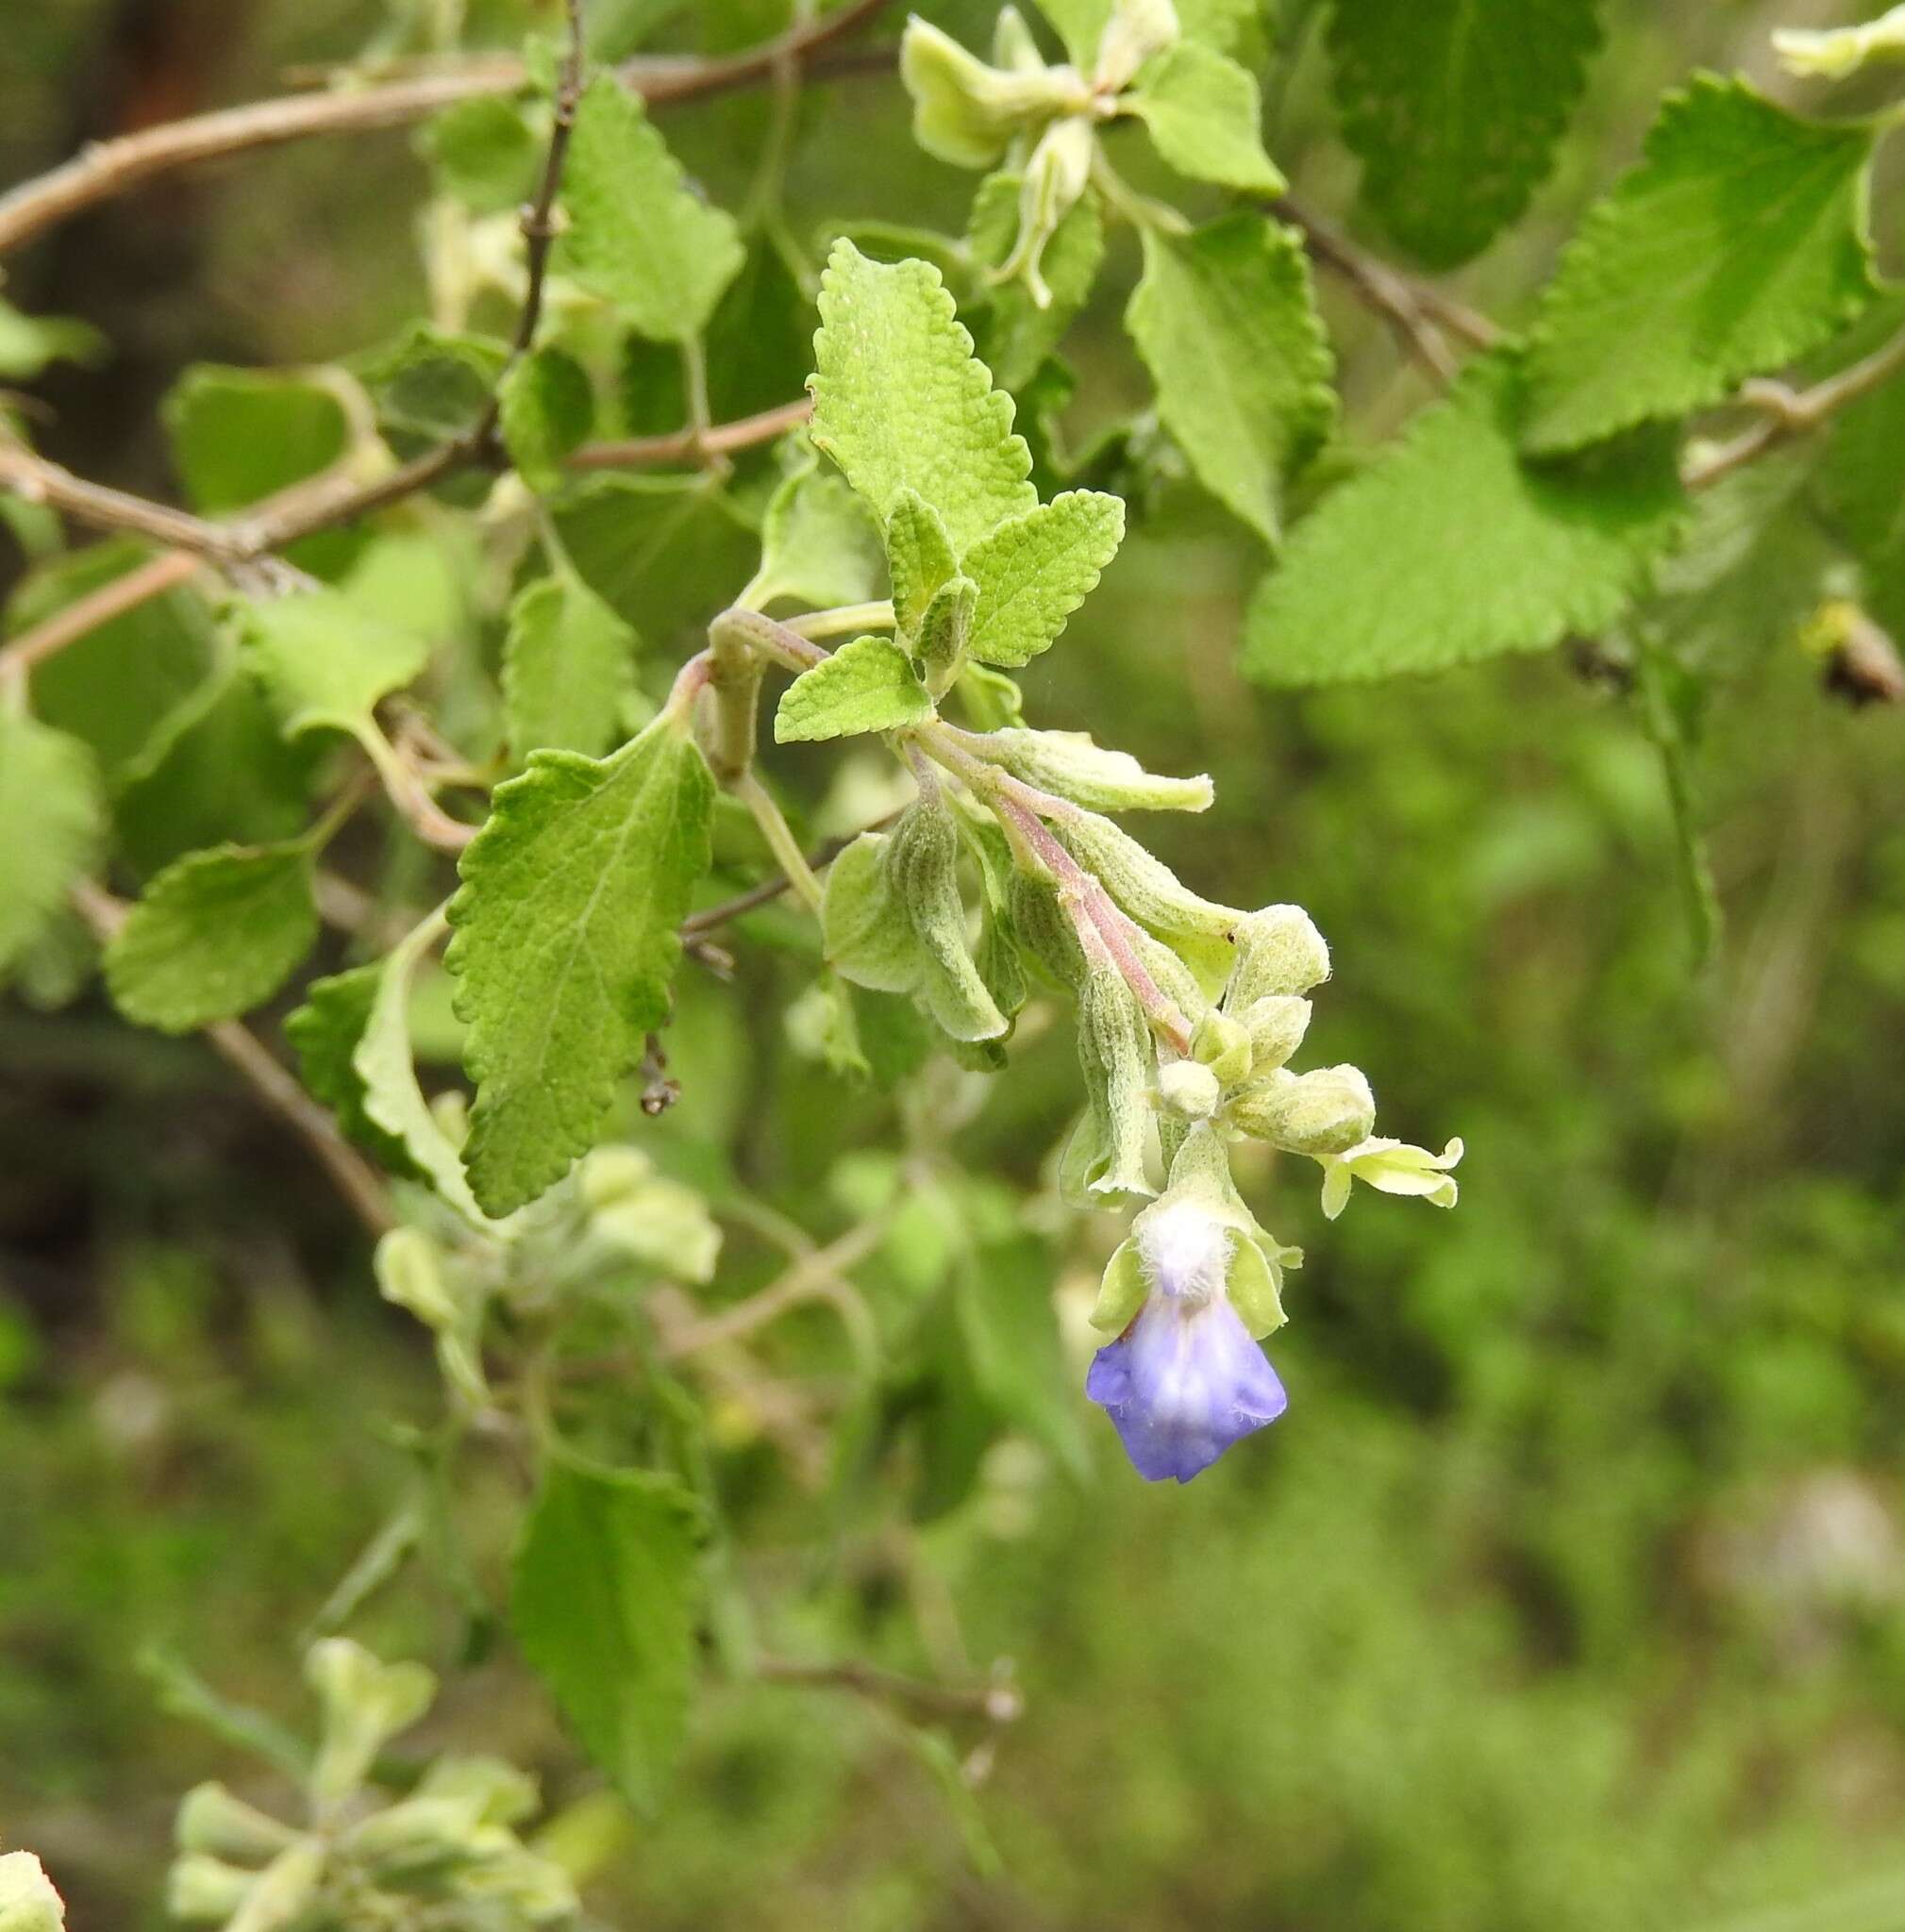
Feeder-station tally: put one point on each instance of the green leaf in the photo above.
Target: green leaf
(606, 1591)
(547, 409)
(393, 1101)
(818, 544)
(1035, 571)
(567, 670)
(484, 153)
(919, 558)
(1449, 547)
(565, 945)
(324, 661)
(1226, 320)
(215, 934)
(652, 547)
(431, 384)
(869, 685)
(238, 434)
(638, 234)
(1455, 107)
(900, 402)
(1859, 484)
(1016, 335)
(29, 344)
(1206, 118)
(1735, 245)
(325, 1033)
(51, 806)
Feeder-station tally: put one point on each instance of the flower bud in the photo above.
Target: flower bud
(1319, 1113)
(1071, 765)
(206, 1890)
(1105, 1155)
(284, 1890)
(1054, 179)
(497, 1793)
(367, 1703)
(1222, 1045)
(1275, 1026)
(408, 1267)
(29, 1903)
(922, 868)
(966, 112)
(211, 1820)
(1136, 30)
(1279, 951)
(1188, 1089)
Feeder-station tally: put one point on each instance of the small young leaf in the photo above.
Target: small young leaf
(431, 384)
(324, 1032)
(215, 935)
(324, 661)
(919, 559)
(565, 944)
(1034, 572)
(484, 153)
(1449, 547)
(818, 544)
(29, 344)
(1455, 110)
(900, 402)
(566, 670)
(1226, 321)
(1735, 245)
(946, 626)
(1206, 118)
(1017, 334)
(54, 814)
(869, 685)
(606, 1591)
(638, 234)
(239, 434)
(547, 409)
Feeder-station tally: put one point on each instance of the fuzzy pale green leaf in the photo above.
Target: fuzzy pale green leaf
(1735, 245)
(1205, 117)
(868, 685)
(325, 1031)
(919, 558)
(900, 402)
(1226, 320)
(565, 945)
(324, 661)
(1450, 548)
(818, 544)
(1035, 571)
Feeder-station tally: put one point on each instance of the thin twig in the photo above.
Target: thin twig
(356, 1179)
(693, 445)
(86, 614)
(109, 168)
(997, 1702)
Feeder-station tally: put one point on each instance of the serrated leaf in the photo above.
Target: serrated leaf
(1735, 245)
(606, 1591)
(431, 384)
(919, 558)
(1226, 320)
(818, 544)
(547, 408)
(1015, 334)
(638, 234)
(54, 814)
(1455, 107)
(324, 661)
(565, 945)
(900, 402)
(484, 153)
(1450, 548)
(869, 685)
(238, 434)
(214, 935)
(566, 670)
(1035, 571)
(325, 1033)
(393, 1101)
(1205, 116)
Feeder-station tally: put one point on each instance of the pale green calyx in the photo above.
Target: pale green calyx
(29, 1903)
(1137, 30)
(1834, 53)
(1392, 1167)
(1055, 178)
(966, 112)
(1189, 1090)
(1324, 1113)
(1278, 951)
(367, 1703)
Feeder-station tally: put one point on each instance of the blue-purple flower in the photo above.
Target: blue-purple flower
(1185, 1378)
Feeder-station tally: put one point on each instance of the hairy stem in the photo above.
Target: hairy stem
(780, 839)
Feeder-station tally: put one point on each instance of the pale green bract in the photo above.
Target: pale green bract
(55, 815)
(638, 235)
(1449, 547)
(1226, 320)
(1735, 245)
(213, 936)
(1203, 115)
(565, 944)
(901, 403)
(868, 685)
